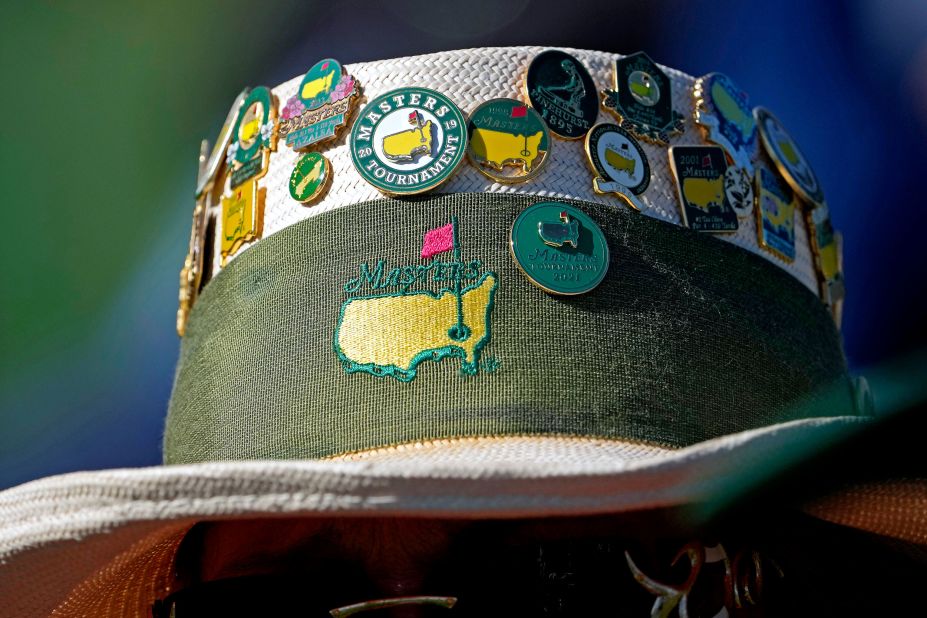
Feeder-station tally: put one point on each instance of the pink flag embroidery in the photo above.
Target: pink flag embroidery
(438, 240)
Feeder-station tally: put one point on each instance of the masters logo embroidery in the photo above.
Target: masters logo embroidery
(389, 333)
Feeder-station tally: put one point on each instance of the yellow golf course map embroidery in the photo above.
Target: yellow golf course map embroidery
(391, 333)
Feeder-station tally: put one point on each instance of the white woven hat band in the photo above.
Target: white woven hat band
(469, 78)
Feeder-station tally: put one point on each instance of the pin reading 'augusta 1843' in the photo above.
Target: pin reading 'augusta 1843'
(700, 173)
(788, 158)
(620, 163)
(560, 88)
(642, 99)
(310, 177)
(559, 248)
(508, 140)
(253, 137)
(321, 106)
(408, 140)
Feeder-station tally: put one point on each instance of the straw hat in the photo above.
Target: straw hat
(319, 377)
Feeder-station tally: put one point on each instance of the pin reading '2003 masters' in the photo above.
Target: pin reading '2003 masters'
(310, 178)
(253, 137)
(643, 99)
(321, 106)
(559, 248)
(620, 163)
(700, 173)
(508, 140)
(789, 160)
(560, 88)
(409, 140)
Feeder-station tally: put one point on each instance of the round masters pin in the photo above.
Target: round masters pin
(559, 248)
(619, 162)
(409, 140)
(789, 160)
(310, 177)
(508, 140)
(562, 91)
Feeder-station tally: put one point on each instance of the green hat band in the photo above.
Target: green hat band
(335, 335)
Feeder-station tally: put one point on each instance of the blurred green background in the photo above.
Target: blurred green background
(105, 105)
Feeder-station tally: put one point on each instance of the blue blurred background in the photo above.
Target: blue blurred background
(104, 107)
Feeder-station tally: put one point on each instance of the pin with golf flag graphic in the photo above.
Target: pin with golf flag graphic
(440, 240)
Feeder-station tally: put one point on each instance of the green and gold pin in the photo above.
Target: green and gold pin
(321, 107)
(254, 136)
(559, 248)
(700, 173)
(408, 141)
(620, 163)
(242, 217)
(561, 90)
(642, 99)
(788, 158)
(310, 178)
(509, 141)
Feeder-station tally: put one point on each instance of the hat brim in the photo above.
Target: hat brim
(63, 530)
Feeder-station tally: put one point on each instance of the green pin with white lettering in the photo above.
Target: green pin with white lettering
(559, 248)
(408, 141)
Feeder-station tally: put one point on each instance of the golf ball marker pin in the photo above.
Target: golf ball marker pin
(253, 137)
(642, 99)
(508, 141)
(700, 173)
(321, 106)
(559, 248)
(561, 90)
(620, 163)
(408, 141)
(310, 178)
(788, 158)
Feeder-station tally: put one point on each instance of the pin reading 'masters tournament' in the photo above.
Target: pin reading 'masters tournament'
(408, 141)
(560, 88)
(254, 136)
(559, 248)
(789, 160)
(321, 106)
(508, 140)
(643, 99)
(700, 183)
(620, 163)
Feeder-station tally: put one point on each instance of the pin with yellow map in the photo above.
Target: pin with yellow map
(723, 111)
(509, 141)
(775, 214)
(788, 158)
(620, 163)
(311, 176)
(408, 141)
(700, 183)
(322, 105)
(242, 217)
(827, 247)
(253, 137)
